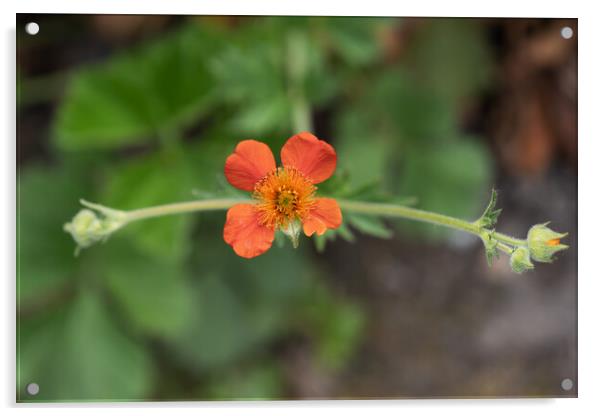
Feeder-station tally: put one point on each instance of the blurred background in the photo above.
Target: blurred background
(132, 111)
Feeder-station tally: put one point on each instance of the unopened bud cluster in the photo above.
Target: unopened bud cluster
(541, 245)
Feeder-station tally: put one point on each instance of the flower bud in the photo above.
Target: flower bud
(543, 243)
(85, 228)
(520, 260)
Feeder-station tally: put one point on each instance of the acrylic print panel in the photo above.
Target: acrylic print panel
(168, 166)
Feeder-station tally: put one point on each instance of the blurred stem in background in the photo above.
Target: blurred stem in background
(296, 70)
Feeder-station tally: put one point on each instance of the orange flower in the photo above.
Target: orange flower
(284, 196)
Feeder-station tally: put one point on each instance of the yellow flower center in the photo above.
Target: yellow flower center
(283, 195)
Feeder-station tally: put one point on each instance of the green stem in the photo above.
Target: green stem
(366, 208)
(508, 239)
(182, 208)
(505, 248)
(399, 211)
(117, 219)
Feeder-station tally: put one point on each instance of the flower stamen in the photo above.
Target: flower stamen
(283, 195)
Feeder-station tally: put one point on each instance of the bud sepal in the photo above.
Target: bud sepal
(491, 247)
(491, 214)
(292, 231)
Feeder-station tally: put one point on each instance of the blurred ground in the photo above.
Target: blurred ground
(482, 331)
(421, 315)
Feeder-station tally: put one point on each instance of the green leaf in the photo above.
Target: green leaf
(153, 294)
(373, 226)
(260, 382)
(320, 242)
(241, 304)
(262, 116)
(256, 75)
(355, 39)
(335, 325)
(363, 152)
(452, 58)
(345, 233)
(280, 240)
(79, 354)
(242, 78)
(340, 333)
(159, 87)
(406, 111)
(206, 158)
(168, 177)
(47, 198)
(146, 181)
(220, 331)
(449, 179)
(320, 83)
(250, 74)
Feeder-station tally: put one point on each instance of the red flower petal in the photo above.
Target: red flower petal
(323, 215)
(243, 231)
(250, 162)
(315, 158)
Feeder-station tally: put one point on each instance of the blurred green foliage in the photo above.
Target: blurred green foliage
(154, 90)
(167, 292)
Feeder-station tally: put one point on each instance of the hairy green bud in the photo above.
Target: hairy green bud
(543, 243)
(88, 228)
(520, 260)
(85, 228)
